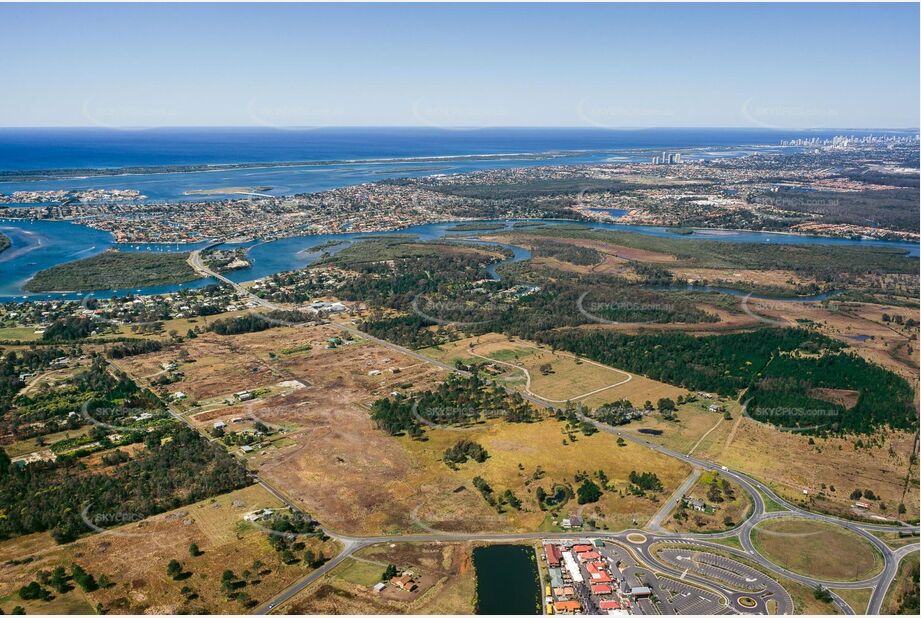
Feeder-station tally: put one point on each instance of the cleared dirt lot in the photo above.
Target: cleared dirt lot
(445, 570)
(218, 365)
(334, 463)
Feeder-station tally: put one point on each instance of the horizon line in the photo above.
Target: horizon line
(452, 127)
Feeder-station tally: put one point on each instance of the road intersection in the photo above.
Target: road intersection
(756, 490)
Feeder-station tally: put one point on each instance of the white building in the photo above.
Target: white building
(573, 567)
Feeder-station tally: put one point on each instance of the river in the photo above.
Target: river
(41, 244)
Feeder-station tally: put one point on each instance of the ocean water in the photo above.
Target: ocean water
(76, 148)
(333, 158)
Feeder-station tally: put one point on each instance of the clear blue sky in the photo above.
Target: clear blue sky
(780, 65)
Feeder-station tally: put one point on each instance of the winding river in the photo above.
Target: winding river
(37, 245)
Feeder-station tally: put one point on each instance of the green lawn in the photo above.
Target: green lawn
(359, 572)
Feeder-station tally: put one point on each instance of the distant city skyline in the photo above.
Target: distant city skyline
(790, 66)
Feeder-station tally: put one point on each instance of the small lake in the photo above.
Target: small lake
(507, 580)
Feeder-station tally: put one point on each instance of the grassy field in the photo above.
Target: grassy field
(360, 572)
(770, 505)
(736, 509)
(134, 558)
(444, 570)
(355, 478)
(521, 452)
(381, 483)
(566, 378)
(857, 598)
(180, 325)
(893, 540)
(901, 585)
(30, 445)
(828, 468)
(19, 333)
(692, 427)
(817, 549)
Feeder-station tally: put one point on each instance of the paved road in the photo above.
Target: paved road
(754, 488)
(655, 524)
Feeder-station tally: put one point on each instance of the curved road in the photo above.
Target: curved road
(755, 489)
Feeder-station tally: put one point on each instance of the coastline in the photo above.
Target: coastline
(85, 173)
(639, 226)
(20, 295)
(154, 170)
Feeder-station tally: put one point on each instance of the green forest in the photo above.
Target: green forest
(786, 395)
(458, 401)
(723, 364)
(114, 270)
(177, 467)
(780, 367)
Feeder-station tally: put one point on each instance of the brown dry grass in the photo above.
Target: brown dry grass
(357, 479)
(134, 558)
(570, 378)
(447, 567)
(735, 277)
(817, 549)
(691, 428)
(828, 463)
(610, 249)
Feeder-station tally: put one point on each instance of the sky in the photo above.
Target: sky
(604, 65)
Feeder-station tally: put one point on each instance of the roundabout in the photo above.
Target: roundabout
(636, 538)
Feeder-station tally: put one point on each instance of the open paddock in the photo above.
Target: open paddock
(552, 376)
(134, 558)
(444, 571)
(817, 549)
(828, 470)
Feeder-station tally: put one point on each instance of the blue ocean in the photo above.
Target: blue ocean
(327, 158)
(78, 148)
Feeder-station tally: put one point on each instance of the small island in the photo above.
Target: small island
(114, 270)
(475, 226)
(4, 242)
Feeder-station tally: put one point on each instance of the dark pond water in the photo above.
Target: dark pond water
(507, 580)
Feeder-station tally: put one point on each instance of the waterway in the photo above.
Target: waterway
(507, 580)
(37, 245)
(330, 158)
(180, 164)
